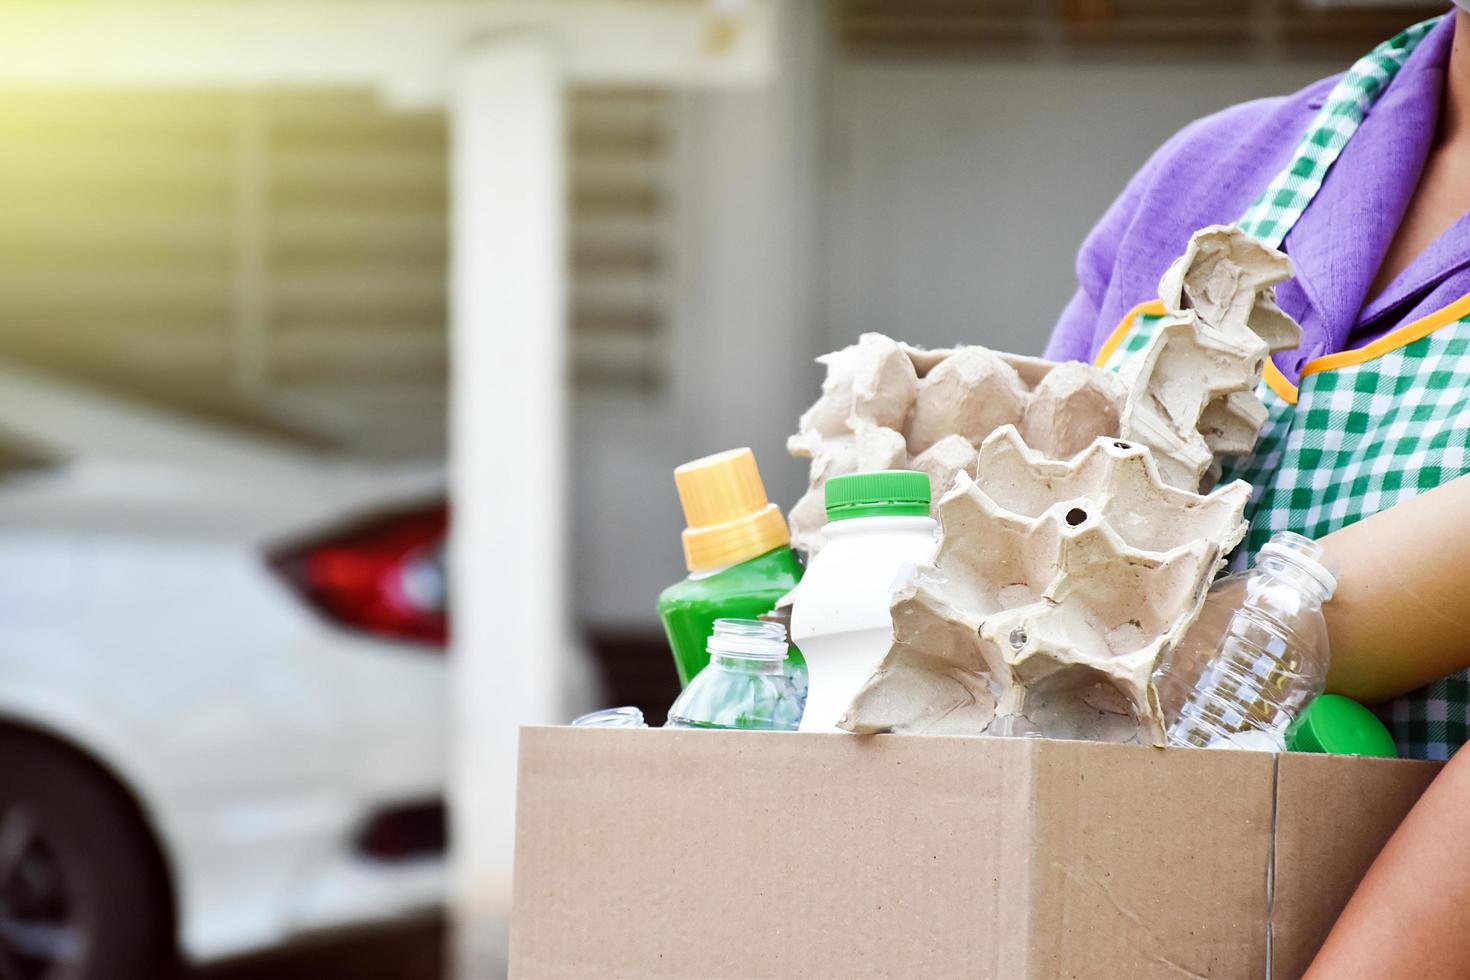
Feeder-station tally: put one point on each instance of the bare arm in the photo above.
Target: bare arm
(1401, 615)
(1411, 915)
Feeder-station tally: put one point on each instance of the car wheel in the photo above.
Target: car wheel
(82, 895)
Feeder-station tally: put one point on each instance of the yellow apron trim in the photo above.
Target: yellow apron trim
(1393, 340)
(1273, 377)
(1278, 383)
(1154, 307)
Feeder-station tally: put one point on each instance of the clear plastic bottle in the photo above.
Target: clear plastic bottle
(746, 684)
(1257, 655)
(626, 717)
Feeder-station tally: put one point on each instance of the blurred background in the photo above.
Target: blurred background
(227, 336)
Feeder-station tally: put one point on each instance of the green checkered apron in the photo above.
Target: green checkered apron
(1366, 428)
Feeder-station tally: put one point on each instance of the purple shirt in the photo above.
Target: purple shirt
(1212, 170)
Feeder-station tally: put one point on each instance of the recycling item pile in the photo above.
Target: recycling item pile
(1004, 545)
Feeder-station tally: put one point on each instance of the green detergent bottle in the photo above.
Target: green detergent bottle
(738, 552)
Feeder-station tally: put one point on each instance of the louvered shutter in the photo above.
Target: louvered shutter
(279, 258)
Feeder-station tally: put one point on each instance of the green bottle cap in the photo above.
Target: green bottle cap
(890, 493)
(1340, 726)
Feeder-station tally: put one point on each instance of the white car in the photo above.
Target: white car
(222, 688)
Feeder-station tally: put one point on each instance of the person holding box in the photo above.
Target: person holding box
(1364, 181)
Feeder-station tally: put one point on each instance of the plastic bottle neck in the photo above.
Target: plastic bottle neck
(1308, 578)
(703, 573)
(748, 646)
(741, 663)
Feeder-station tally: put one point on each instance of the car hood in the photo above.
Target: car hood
(117, 467)
(171, 500)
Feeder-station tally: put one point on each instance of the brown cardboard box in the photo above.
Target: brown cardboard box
(653, 853)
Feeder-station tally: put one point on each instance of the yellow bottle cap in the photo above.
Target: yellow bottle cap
(730, 519)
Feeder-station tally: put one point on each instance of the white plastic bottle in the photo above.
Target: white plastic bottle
(877, 524)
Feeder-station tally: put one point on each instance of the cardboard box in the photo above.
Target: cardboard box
(654, 853)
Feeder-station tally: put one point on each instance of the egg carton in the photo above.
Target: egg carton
(1056, 590)
(1076, 547)
(888, 405)
(1191, 392)
(1189, 396)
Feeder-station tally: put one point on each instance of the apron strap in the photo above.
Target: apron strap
(1285, 199)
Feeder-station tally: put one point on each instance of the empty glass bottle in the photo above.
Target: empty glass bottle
(1256, 656)
(746, 684)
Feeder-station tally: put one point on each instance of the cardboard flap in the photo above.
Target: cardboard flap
(644, 853)
(1151, 861)
(1333, 816)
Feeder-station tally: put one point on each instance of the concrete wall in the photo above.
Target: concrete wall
(957, 194)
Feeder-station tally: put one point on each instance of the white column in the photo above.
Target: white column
(507, 443)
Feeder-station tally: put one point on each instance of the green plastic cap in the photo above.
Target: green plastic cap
(1340, 726)
(890, 493)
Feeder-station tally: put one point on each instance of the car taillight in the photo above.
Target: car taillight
(401, 833)
(385, 575)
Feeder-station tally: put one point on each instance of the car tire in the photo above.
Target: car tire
(82, 892)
